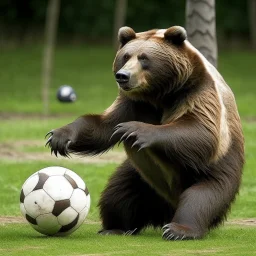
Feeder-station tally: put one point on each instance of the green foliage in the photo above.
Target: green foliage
(231, 19)
(93, 19)
(155, 14)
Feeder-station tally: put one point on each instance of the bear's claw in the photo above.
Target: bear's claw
(111, 232)
(57, 144)
(48, 141)
(174, 231)
(117, 232)
(49, 133)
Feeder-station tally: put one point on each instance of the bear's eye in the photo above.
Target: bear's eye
(143, 59)
(126, 57)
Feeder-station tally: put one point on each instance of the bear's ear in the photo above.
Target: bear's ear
(126, 34)
(176, 35)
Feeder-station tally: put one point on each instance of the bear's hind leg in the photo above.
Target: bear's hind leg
(201, 207)
(128, 204)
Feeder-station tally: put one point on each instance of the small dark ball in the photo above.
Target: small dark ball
(66, 94)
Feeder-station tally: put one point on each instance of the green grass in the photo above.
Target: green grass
(21, 239)
(97, 175)
(30, 128)
(88, 70)
(245, 205)
(14, 174)
(230, 240)
(238, 69)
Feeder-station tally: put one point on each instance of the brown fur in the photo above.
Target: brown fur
(182, 134)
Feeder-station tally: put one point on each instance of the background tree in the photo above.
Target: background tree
(92, 21)
(119, 19)
(51, 22)
(252, 22)
(201, 27)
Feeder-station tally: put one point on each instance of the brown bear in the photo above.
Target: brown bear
(180, 127)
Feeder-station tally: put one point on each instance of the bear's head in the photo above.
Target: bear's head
(154, 62)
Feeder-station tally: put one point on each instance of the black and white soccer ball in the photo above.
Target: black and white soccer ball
(66, 94)
(55, 201)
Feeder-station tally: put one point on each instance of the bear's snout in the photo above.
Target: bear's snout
(122, 77)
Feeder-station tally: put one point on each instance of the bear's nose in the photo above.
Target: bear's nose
(122, 76)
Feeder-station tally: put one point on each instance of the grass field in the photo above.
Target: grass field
(231, 240)
(22, 152)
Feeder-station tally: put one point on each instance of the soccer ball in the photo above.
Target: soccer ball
(55, 201)
(66, 94)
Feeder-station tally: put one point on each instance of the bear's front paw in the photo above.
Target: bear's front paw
(137, 134)
(175, 231)
(59, 141)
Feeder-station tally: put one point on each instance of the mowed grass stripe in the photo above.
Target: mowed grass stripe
(89, 70)
(20, 239)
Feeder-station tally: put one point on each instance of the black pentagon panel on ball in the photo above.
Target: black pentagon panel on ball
(86, 191)
(71, 181)
(31, 220)
(42, 179)
(70, 225)
(22, 196)
(60, 206)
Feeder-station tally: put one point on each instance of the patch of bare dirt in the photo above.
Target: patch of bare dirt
(23, 248)
(15, 151)
(18, 220)
(13, 116)
(11, 219)
(129, 252)
(243, 222)
(198, 252)
(250, 119)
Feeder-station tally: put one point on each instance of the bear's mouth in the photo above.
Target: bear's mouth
(125, 86)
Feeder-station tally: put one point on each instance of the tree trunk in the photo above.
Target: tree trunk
(252, 22)
(201, 27)
(119, 20)
(52, 16)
